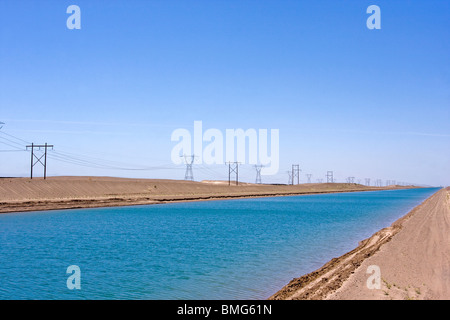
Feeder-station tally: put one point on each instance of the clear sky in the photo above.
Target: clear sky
(363, 103)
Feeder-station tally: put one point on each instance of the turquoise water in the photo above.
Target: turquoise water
(231, 249)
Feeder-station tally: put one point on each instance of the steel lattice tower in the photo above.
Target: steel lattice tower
(258, 173)
(189, 174)
(330, 177)
(295, 173)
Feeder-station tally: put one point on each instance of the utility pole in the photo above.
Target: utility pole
(38, 159)
(309, 175)
(233, 169)
(330, 177)
(189, 174)
(258, 173)
(295, 173)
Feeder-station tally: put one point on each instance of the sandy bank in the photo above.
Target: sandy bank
(23, 194)
(413, 256)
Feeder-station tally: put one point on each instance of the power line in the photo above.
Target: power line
(12, 146)
(17, 138)
(20, 145)
(76, 159)
(75, 162)
(11, 141)
(101, 163)
(211, 171)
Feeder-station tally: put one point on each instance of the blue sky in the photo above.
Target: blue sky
(363, 103)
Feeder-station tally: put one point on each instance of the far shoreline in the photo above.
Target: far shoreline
(64, 193)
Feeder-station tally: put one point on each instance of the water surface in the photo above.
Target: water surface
(228, 249)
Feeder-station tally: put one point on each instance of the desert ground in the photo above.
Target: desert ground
(412, 256)
(24, 194)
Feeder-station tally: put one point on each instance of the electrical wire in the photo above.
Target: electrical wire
(10, 135)
(88, 161)
(110, 164)
(12, 146)
(16, 144)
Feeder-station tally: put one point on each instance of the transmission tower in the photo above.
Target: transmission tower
(189, 174)
(308, 176)
(290, 176)
(319, 180)
(295, 173)
(351, 180)
(35, 159)
(367, 181)
(258, 173)
(233, 167)
(330, 177)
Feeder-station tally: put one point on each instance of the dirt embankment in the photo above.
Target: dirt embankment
(23, 194)
(413, 256)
